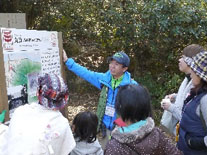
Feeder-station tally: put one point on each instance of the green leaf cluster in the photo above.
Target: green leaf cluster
(25, 67)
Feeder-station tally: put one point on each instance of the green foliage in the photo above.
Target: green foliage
(159, 87)
(25, 67)
(148, 30)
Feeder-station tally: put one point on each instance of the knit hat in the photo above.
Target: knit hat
(53, 92)
(199, 65)
(121, 58)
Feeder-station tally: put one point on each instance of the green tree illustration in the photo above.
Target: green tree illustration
(25, 67)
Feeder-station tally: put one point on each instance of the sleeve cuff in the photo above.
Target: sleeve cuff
(69, 63)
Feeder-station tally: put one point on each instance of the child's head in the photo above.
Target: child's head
(133, 103)
(85, 126)
(52, 91)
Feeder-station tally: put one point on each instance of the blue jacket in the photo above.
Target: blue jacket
(191, 124)
(98, 80)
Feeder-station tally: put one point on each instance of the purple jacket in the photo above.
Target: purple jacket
(146, 140)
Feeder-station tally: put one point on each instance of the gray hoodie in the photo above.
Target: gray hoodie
(84, 148)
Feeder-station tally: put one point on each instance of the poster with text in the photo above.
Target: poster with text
(27, 54)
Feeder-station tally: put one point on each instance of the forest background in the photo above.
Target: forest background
(152, 32)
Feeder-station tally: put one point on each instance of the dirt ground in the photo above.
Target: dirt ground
(79, 103)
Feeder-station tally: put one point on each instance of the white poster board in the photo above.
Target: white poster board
(26, 55)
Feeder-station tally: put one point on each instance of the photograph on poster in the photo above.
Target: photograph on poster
(17, 95)
(32, 85)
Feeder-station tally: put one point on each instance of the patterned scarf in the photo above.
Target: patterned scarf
(102, 105)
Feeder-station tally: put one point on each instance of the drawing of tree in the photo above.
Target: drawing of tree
(25, 67)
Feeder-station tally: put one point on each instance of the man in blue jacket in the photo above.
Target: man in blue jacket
(108, 83)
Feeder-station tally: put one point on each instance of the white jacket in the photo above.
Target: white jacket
(35, 130)
(183, 92)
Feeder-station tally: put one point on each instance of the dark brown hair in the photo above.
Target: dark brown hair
(85, 124)
(201, 87)
(192, 50)
(133, 103)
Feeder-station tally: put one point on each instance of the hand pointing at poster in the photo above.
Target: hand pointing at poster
(65, 58)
